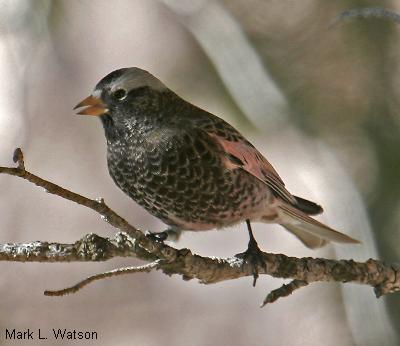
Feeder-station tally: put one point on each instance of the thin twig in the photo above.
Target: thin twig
(283, 291)
(115, 272)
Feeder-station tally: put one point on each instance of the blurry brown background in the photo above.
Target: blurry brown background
(321, 103)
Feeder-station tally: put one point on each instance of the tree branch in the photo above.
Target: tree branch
(283, 291)
(115, 272)
(131, 242)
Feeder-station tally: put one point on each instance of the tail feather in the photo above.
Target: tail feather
(307, 206)
(309, 230)
(309, 240)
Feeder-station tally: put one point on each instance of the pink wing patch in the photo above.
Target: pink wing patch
(248, 158)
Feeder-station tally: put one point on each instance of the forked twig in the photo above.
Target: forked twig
(131, 242)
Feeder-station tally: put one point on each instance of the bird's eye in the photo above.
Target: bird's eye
(120, 94)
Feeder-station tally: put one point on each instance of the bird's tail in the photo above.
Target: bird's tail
(306, 206)
(311, 232)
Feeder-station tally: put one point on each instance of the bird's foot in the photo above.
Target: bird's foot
(170, 234)
(159, 237)
(254, 256)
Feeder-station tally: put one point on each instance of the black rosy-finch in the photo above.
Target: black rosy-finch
(190, 168)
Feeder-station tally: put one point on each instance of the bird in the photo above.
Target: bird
(190, 168)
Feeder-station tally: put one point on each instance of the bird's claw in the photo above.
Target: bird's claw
(159, 237)
(254, 256)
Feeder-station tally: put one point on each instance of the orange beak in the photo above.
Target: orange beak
(94, 106)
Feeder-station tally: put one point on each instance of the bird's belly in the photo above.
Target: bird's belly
(193, 198)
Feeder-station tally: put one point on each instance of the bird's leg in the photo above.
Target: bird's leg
(170, 233)
(253, 254)
(157, 236)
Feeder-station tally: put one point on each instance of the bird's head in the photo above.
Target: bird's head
(122, 96)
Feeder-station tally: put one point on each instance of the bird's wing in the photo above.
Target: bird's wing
(242, 154)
